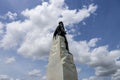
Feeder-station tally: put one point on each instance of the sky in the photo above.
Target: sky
(27, 26)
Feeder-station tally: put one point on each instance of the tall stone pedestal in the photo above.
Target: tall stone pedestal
(61, 65)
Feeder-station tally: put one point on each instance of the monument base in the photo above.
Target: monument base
(61, 65)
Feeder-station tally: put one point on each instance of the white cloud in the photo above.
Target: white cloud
(118, 46)
(97, 78)
(93, 78)
(1, 28)
(72, 16)
(81, 49)
(5, 77)
(17, 79)
(10, 60)
(16, 32)
(43, 78)
(35, 73)
(116, 76)
(102, 61)
(34, 34)
(9, 15)
(100, 58)
(84, 79)
(36, 48)
(92, 42)
(78, 70)
(84, 23)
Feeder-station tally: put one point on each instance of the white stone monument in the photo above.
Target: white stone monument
(61, 65)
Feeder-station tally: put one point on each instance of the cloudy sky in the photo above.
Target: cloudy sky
(27, 26)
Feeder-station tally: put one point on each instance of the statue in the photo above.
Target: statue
(60, 30)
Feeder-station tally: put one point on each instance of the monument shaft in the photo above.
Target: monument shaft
(61, 65)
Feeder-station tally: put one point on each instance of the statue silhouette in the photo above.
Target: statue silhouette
(60, 30)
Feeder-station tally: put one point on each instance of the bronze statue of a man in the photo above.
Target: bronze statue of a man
(60, 30)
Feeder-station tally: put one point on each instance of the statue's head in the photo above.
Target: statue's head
(61, 23)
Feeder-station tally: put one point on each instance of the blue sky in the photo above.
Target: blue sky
(26, 29)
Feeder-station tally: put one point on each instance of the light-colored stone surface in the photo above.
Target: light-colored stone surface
(61, 65)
